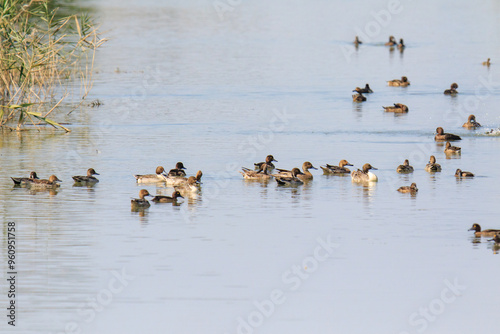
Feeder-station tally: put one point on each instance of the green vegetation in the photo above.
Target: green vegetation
(42, 57)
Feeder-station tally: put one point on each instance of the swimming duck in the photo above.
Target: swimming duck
(190, 185)
(405, 167)
(364, 175)
(471, 123)
(408, 189)
(268, 162)
(442, 136)
(42, 183)
(152, 178)
(358, 97)
(365, 90)
(399, 83)
(485, 63)
(305, 176)
(141, 202)
(460, 173)
(357, 41)
(167, 199)
(397, 108)
(401, 45)
(485, 233)
(24, 180)
(452, 90)
(87, 179)
(452, 149)
(392, 41)
(340, 169)
(290, 180)
(432, 166)
(260, 174)
(180, 180)
(177, 171)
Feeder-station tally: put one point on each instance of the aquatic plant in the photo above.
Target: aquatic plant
(42, 57)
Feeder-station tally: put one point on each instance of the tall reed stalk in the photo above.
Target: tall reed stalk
(41, 56)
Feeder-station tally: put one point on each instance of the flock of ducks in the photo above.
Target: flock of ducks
(403, 82)
(263, 171)
(176, 178)
(33, 181)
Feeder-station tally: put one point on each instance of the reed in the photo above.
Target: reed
(42, 56)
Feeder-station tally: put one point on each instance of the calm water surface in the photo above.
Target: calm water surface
(181, 83)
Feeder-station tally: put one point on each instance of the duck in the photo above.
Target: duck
(178, 170)
(485, 233)
(152, 178)
(305, 176)
(471, 123)
(87, 179)
(442, 136)
(52, 182)
(366, 90)
(357, 41)
(167, 199)
(452, 90)
(399, 83)
(405, 167)
(408, 189)
(340, 169)
(358, 97)
(397, 108)
(485, 63)
(391, 42)
(432, 166)
(290, 180)
(250, 174)
(190, 185)
(24, 180)
(268, 162)
(452, 149)
(461, 173)
(180, 180)
(401, 45)
(141, 202)
(364, 175)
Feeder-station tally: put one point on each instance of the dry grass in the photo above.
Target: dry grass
(40, 56)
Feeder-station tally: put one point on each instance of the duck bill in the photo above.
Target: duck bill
(374, 168)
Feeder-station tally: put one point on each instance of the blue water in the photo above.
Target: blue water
(179, 82)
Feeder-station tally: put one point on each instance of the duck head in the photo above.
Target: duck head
(159, 170)
(91, 172)
(143, 193)
(367, 167)
(475, 227)
(53, 179)
(343, 163)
